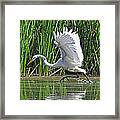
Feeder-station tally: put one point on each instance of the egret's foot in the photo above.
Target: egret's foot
(63, 79)
(87, 81)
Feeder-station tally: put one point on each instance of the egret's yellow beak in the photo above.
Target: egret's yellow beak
(29, 62)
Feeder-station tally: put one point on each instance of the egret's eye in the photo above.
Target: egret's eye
(43, 58)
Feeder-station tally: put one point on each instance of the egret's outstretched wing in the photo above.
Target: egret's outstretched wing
(71, 51)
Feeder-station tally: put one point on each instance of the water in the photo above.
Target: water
(69, 96)
(54, 90)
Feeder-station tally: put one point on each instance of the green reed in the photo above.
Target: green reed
(36, 37)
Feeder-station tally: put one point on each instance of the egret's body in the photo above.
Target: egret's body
(71, 52)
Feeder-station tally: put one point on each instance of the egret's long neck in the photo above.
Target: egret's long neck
(57, 64)
(49, 64)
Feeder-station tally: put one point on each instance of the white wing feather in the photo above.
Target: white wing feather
(71, 51)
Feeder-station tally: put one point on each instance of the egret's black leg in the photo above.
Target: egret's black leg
(78, 75)
(87, 78)
(68, 76)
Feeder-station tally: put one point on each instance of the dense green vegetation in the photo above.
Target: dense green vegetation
(36, 37)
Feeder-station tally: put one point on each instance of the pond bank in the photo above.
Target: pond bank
(52, 78)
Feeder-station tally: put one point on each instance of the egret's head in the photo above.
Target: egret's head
(43, 57)
(37, 56)
(33, 59)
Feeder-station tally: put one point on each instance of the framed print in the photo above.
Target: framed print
(60, 59)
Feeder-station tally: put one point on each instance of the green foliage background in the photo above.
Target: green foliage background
(36, 37)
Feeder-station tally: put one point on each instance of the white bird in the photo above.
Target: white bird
(71, 52)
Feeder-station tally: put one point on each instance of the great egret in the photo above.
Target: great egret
(71, 53)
